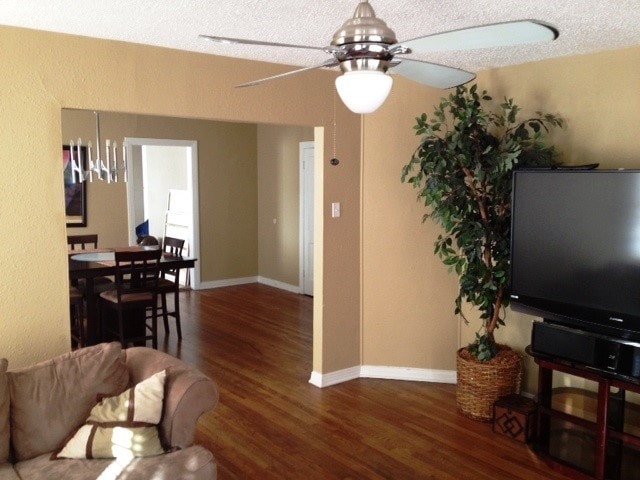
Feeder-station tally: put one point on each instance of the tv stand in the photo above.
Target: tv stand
(613, 452)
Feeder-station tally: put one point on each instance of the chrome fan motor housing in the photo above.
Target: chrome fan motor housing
(363, 41)
(364, 27)
(365, 62)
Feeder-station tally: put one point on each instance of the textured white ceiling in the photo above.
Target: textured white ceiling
(585, 26)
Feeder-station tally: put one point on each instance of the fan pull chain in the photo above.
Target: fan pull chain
(334, 160)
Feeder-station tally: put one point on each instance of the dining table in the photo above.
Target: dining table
(90, 264)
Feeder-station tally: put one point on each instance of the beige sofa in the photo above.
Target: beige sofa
(43, 405)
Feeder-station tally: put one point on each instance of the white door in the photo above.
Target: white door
(177, 224)
(306, 216)
(135, 196)
(164, 168)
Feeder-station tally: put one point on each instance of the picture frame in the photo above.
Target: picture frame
(75, 194)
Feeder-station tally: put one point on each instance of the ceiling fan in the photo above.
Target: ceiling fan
(365, 49)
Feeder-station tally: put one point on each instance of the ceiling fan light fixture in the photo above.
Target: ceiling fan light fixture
(364, 48)
(363, 91)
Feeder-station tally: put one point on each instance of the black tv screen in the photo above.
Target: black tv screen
(575, 248)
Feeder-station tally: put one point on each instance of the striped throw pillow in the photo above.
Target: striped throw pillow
(122, 426)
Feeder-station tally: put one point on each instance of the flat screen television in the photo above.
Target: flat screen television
(575, 249)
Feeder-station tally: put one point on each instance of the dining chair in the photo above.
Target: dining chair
(82, 242)
(171, 246)
(136, 280)
(76, 301)
(89, 241)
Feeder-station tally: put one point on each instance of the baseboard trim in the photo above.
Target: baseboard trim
(409, 374)
(281, 285)
(327, 379)
(322, 380)
(228, 282)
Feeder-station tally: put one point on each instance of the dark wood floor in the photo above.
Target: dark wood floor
(256, 342)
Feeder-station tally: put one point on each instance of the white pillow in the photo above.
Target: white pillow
(122, 426)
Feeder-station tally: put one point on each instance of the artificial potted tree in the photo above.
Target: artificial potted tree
(463, 170)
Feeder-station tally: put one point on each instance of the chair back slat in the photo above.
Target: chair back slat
(174, 247)
(137, 271)
(136, 276)
(81, 242)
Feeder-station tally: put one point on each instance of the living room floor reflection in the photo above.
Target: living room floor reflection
(255, 341)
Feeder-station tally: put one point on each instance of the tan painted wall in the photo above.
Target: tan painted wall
(279, 201)
(407, 295)
(44, 72)
(407, 304)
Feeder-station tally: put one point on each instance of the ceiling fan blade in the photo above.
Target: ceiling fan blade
(230, 40)
(505, 34)
(328, 63)
(432, 74)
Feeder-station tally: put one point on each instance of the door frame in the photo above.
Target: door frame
(192, 186)
(305, 208)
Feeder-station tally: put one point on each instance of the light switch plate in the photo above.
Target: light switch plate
(335, 209)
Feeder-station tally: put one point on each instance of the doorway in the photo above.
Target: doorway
(156, 168)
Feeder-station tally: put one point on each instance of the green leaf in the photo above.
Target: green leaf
(462, 171)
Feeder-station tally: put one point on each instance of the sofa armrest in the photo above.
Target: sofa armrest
(188, 392)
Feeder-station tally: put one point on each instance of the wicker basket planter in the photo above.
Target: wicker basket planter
(481, 384)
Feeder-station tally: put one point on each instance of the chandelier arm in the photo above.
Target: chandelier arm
(104, 171)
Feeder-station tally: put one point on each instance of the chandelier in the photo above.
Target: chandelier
(104, 169)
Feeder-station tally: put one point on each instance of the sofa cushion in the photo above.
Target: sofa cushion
(193, 463)
(122, 426)
(188, 393)
(7, 472)
(4, 412)
(51, 399)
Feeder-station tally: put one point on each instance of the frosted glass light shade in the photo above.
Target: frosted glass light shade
(363, 91)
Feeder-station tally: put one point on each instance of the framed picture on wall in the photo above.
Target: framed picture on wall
(75, 194)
